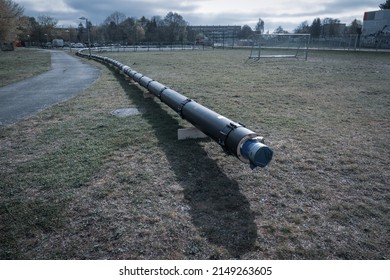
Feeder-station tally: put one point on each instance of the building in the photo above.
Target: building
(376, 21)
(334, 29)
(217, 34)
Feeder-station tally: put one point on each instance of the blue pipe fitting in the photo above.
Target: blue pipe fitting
(257, 153)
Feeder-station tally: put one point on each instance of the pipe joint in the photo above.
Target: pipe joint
(255, 152)
(224, 134)
(181, 106)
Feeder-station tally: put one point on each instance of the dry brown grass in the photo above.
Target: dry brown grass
(79, 183)
(21, 64)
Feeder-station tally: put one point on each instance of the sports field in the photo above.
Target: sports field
(79, 183)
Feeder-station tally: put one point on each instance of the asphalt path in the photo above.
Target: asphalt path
(67, 77)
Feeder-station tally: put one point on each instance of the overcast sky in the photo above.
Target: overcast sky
(286, 13)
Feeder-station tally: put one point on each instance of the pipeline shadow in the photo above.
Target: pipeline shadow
(217, 207)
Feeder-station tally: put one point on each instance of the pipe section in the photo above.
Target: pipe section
(234, 138)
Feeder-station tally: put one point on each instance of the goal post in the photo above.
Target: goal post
(280, 46)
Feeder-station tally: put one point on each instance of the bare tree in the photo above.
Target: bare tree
(115, 17)
(10, 19)
(303, 28)
(175, 27)
(132, 31)
(47, 25)
(280, 30)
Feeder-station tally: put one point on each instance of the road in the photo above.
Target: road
(67, 77)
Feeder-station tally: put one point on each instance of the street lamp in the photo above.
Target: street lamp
(47, 40)
(70, 44)
(89, 40)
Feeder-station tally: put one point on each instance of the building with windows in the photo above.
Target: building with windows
(376, 21)
(333, 29)
(216, 34)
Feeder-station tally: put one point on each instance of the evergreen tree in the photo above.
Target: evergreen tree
(385, 6)
(246, 32)
(355, 27)
(315, 28)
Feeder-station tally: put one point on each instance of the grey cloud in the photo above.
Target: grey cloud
(347, 5)
(98, 11)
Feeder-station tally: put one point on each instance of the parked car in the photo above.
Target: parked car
(58, 43)
(78, 45)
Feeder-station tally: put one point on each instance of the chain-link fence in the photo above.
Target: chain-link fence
(351, 42)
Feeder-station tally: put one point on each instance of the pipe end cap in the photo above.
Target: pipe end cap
(259, 155)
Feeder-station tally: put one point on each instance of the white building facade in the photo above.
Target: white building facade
(376, 21)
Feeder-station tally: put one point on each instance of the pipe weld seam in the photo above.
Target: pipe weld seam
(139, 79)
(161, 92)
(181, 107)
(224, 134)
(147, 86)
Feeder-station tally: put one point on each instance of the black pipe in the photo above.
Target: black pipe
(233, 137)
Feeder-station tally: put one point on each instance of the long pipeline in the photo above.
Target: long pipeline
(233, 137)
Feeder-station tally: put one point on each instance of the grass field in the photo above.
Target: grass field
(21, 64)
(79, 183)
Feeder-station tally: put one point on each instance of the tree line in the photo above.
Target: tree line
(328, 27)
(118, 28)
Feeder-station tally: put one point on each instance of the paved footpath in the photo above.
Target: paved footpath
(67, 77)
